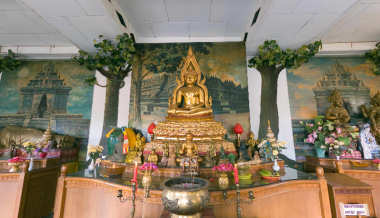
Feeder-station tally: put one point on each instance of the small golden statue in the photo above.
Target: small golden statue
(135, 150)
(189, 159)
(373, 114)
(140, 142)
(336, 112)
(252, 143)
(153, 157)
(189, 148)
(190, 97)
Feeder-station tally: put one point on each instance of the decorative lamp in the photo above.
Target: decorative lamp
(150, 130)
(238, 130)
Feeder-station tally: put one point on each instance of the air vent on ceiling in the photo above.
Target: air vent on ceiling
(255, 17)
(121, 19)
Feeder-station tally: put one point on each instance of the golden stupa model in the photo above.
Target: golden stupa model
(189, 112)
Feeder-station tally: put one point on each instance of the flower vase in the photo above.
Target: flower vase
(276, 167)
(91, 167)
(223, 181)
(147, 179)
(321, 153)
(31, 163)
(378, 166)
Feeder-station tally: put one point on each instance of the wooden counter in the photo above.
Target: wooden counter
(28, 194)
(79, 197)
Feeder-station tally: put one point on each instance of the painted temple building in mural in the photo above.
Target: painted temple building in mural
(353, 90)
(45, 99)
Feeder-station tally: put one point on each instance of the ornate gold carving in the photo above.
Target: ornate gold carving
(336, 112)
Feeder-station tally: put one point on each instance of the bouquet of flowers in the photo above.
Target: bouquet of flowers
(94, 151)
(29, 147)
(326, 135)
(224, 167)
(148, 166)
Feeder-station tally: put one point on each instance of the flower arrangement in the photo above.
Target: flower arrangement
(94, 151)
(223, 167)
(29, 147)
(377, 163)
(148, 166)
(15, 160)
(326, 135)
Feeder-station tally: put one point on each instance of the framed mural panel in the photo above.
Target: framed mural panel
(154, 78)
(311, 84)
(52, 91)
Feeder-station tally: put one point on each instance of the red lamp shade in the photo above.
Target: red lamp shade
(238, 129)
(151, 128)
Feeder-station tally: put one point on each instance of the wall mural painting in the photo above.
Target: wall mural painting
(48, 90)
(311, 84)
(154, 78)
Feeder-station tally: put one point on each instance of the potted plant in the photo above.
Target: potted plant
(223, 169)
(94, 153)
(317, 132)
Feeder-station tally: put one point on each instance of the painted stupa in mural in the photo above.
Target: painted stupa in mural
(338, 77)
(45, 99)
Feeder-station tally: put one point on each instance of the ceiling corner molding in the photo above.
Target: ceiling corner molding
(42, 52)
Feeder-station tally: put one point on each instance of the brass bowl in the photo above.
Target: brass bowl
(109, 169)
(185, 196)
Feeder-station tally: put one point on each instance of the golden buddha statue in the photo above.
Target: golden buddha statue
(189, 148)
(153, 158)
(252, 143)
(189, 112)
(336, 112)
(190, 97)
(373, 114)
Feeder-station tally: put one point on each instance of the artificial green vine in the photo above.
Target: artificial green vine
(271, 55)
(9, 63)
(113, 59)
(374, 57)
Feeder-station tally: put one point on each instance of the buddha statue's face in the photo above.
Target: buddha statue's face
(189, 137)
(338, 102)
(190, 79)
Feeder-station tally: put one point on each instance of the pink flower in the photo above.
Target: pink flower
(310, 139)
(339, 130)
(314, 134)
(376, 161)
(15, 160)
(319, 128)
(333, 135)
(147, 166)
(329, 140)
(224, 167)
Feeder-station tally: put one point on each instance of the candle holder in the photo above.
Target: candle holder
(123, 198)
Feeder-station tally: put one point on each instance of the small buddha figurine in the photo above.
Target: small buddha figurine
(251, 142)
(336, 112)
(140, 142)
(189, 148)
(153, 158)
(190, 97)
(373, 114)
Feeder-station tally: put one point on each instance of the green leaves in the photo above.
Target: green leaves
(374, 57)
(9, 62)
(113, 59)
(271, 55)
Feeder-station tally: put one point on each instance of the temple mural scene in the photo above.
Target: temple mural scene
(223, 66)
(43, 93)
(311, 85)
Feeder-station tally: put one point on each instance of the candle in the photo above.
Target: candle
(236, 174)
(135, 173)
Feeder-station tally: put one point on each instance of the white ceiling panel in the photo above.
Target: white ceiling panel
(52, 8)
(171, 29)
(207, 30)
(185, 10)
(144, 10)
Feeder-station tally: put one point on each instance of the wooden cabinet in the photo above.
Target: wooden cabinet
(344, 189)
(28, 194)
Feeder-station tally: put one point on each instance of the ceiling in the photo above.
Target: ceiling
(290, 22)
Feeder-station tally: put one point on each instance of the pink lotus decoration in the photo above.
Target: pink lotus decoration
(224, 167)
(16, 160)
(148, 166)
(376, 161)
